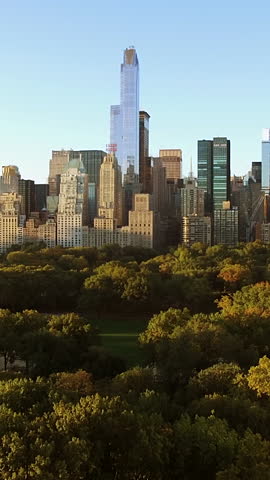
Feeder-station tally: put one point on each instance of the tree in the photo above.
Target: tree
(71, 262)
(137, 291)
(202, 447)
(252, 460)
(259, 377)
(70, 324)
(74, 385)
(218, 378)
(101, 363)
(8, 337)
(135, 380)
(98, 294)
(235, 275)
(163, 324)
(24, 395)
(252, 299)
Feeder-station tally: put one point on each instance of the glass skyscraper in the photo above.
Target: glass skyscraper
(266, 160)
(221, 171)
(125, 117)
(205, 171)
(214, 172)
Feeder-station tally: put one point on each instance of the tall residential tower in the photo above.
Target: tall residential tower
(125, 117)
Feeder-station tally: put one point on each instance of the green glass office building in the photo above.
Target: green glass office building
(205, 172)
(214, 172)
(221, 171)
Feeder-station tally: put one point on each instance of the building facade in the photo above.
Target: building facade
(256, 171)
(226, 226)
(72, 216)
(58, 164)
(9, 181)
(205, 172)
(91, 160)
(143, 224)
(27, 192)
(221, 171)
(11, 222)
(144, 159)
(110, 203)
(191, 198)
(125, 117)
(266, 161)
(171, 159)
(41, 193)
(159, 188)
(196, 229)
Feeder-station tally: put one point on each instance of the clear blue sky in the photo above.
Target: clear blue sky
(204, 72)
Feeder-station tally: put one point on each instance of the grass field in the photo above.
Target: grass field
(119, 335)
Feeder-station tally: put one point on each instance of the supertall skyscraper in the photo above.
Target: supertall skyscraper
(125, 117)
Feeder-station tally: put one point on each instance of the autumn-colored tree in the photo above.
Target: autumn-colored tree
(235, 276)
(259, 377)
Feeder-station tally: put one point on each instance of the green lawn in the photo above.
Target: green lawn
(119, 335)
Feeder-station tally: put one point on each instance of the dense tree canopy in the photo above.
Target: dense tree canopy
(197, 405)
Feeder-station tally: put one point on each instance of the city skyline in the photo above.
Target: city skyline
(196, 81)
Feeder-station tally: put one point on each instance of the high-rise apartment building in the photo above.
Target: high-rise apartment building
(47, 233)
(58, 164)
(226, 225)
(27, 192)
(72, 216)
(9, 181)
(266, 160)
(171, 159)
(143, 224)
(159, 188)
(116, 131)
(90, 159)
(125, 117)
(35, 231)
(131, 186)
(191, 198)
(196, 229)
(256, 171)
(110, 203)
(41, 193)
(144, 159)
(11, 223)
